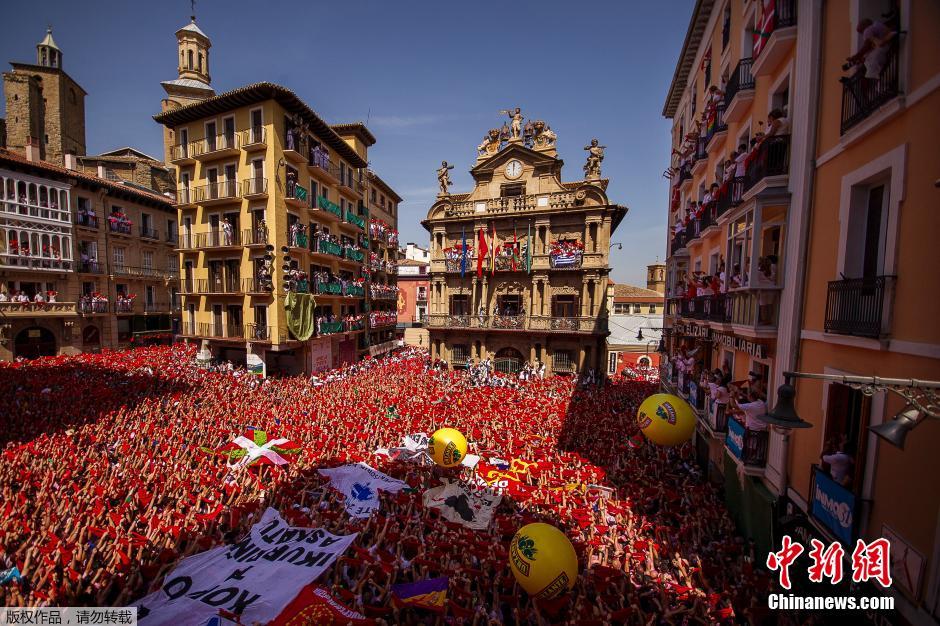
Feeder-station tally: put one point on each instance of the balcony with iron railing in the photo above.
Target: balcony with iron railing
(323, 245)
(296, 195)
(351, 253)
(90, 266)
(677, 243)
(772, 159)
(295, 146)
(218, 285)
(219, 330)
(700, 157)
(747, 445)
(354, 219)
(154, 273)
(330, 328)
(773, 43)
(685, 174)
(257, 236)
(182, 154)
(716, 416)
(149, 232)
(89, 305)
(120, 226)
(862, 96)
(860, 306)
(255, 138)
(730, 195)
(716, 128)
(211, 193)
(255, 187)
(330, 209)
(215, 146)
(257, 286)
(739, 92)
(256, 332)
(540, 323)
(125, 305)
(87, 221)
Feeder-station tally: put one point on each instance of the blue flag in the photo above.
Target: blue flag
(463, 255)
(10, 575)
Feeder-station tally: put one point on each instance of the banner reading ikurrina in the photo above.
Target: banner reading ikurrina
(255, 578)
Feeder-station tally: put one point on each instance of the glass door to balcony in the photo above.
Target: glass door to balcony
(212, 175)
(565, 306)
(211, 131)
(228, 132)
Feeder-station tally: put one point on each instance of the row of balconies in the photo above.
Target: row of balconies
(753, 308)
(246, 332)
(218, 146)
(584, 260)
(859, 307)
(84, 307)
(223, 191)
(535, 323)
(515, 204)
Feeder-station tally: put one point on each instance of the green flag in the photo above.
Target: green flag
(528, 250)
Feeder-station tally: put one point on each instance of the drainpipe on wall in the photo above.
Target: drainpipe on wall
(797, 250)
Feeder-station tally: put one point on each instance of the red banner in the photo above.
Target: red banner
(315, 605)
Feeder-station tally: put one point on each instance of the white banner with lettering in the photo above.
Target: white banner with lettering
(256, 578)
(360, 484)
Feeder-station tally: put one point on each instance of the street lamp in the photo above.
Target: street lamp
(619, 245)
(923, 400)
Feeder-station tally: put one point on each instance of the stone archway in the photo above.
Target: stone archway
(34, 342)
(508, 361)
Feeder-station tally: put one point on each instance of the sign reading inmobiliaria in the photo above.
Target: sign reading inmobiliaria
(255, 578)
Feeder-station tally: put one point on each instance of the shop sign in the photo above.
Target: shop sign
(752, 348)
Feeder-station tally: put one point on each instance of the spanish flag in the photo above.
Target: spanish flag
(426, 594)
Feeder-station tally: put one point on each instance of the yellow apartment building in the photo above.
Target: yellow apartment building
(382, 202)
(813, 255)
(869, 307)
(273, 227)
(519, 264)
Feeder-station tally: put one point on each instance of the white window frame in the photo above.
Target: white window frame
(891, 168)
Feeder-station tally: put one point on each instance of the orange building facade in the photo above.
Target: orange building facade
(801, 208)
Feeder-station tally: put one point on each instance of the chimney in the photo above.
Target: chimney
(32, 149)
(71, 161)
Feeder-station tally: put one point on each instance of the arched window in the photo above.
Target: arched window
(190, 53)
(182, 60)
(200, 62)
(33, 194)
(43, 197)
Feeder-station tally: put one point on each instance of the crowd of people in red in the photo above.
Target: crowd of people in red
(106, 486)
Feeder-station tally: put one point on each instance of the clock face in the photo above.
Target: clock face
(513, 169)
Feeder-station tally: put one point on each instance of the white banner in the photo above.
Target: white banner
(414, 448)
(464, 504)
(256, 578)
(361, 484)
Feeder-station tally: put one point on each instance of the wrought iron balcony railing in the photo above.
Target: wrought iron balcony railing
(859, 306)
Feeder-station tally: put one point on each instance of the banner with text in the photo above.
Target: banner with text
(255, 578)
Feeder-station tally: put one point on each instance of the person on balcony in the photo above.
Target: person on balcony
(4, 296)
(872, 56)
(228, 235)
(840, 464)
(778, 124)
(750, 411)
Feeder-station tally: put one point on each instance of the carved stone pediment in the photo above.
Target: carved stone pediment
(510, 287)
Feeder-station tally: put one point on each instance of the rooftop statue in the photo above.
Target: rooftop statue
(515, 128)
(592, 169)
(443, 177)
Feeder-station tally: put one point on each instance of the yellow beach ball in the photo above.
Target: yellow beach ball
(666, 419)
(543, 561)
(447, 447)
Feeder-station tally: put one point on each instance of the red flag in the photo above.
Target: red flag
(315, 605)
(481, 253)
(493, 252)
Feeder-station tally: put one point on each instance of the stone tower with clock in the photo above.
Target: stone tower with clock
(519, 264)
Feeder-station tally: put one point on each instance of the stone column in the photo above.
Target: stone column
(484, 302)
(584, 298)
(473, 296)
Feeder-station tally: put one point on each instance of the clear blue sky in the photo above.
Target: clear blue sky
(430, 76)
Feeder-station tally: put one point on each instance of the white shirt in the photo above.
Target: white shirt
(840, 464)
(752, 413)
